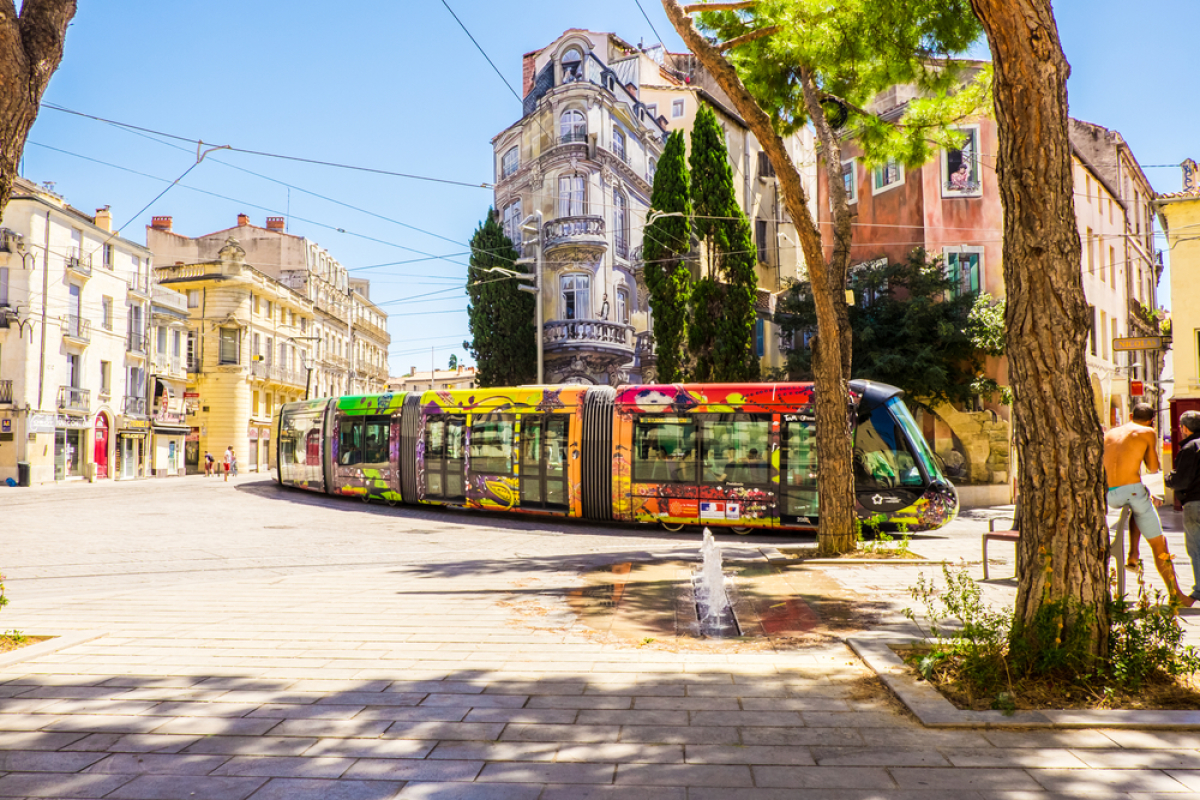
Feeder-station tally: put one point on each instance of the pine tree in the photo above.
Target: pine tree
(721, 334)
(665, 246)
(501, 317)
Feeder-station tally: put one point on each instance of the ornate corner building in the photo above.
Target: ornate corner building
(596, 115)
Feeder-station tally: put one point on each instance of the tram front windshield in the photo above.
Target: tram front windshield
(889, 450)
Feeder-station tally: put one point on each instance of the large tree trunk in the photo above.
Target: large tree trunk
(1064, 535)
(31, 47)
(831, 362)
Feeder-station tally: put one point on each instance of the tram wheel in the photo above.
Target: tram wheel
(391, 503)
(672, 527)
(740, 530)
(367, 498)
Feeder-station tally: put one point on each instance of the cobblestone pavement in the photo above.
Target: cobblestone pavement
(262, 643)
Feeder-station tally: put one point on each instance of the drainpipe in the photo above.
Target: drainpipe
(45, 292)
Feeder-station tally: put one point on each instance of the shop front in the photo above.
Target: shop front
(132, 442)
(191, 452)
(70, 447)
(169, 433)
(260, 448)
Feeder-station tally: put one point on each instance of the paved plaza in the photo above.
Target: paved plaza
(256, 642)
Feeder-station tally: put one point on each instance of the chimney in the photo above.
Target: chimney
(103, 219)
(1190, 177)
(275, 223)
(412, 371)
(243, 220)
(160, 223)
(527, 73)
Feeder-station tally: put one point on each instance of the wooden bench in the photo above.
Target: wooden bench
(994, 535)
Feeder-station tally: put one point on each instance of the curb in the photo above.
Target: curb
(935, 711)
(60, 641)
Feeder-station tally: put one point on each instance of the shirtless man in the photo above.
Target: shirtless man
(1126, 449)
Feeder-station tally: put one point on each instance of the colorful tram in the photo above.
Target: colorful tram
(741, 456)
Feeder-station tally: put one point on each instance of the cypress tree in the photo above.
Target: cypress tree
(666, 244)
(500, 316)
(722, 308)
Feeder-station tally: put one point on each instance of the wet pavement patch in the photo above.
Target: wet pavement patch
(774, 606)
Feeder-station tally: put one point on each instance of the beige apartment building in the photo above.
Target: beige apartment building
(596, 114)
(419, 381)
(248, 350)
(74, 303)
(348, 333)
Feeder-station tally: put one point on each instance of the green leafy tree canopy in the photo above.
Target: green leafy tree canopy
(666, 243)
(501, 317)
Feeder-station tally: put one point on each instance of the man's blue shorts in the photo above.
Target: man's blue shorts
(1137, 497)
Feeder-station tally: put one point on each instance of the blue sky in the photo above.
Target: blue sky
(400, 87)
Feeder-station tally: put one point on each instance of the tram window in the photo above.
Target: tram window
(312, 456)
(883, 456)
(736, 449)
(664, 450)
(800, 469)
(492, 444)
(363, 441)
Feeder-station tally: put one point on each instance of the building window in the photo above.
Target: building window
(106, 310)
(964, 268)
(512, 223)
(765, 168)
(1091, 255)
(850, 180)
(576, 297)
(108, 256)
(1104, 335)
(270, 310)
(161, 339)
(887, 176)
(760, 337)
(651, 168)
(193, 298)
(572, 127)
(572, 66)
(652, 110)
(1112, 265)
(510, 162)
(760, 239)
(621, 224)
(106, 378)
(961, 176)
(3, 286)
(192, 364)
(676, 108)
(571, 195)
(619, 143)
(229, 346)
(623, 305)
(74, 374)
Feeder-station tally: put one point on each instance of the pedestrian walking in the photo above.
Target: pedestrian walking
(1185, 482)
(233, 461)
(1126, 449)
(228, 461)
(208, 463)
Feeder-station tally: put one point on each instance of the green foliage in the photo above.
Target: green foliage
(665, 247)
(853, 50)
(3, 598)
(908, 331)
(990, 651)
(721, 332)
(501, 316)
(453, 361)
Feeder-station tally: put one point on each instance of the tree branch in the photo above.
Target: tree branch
(747, 37)
(43, 31)
(734, 6)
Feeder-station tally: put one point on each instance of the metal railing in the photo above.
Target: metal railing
(135, 342)
(78, 261)
(6, 391)
(168, 365)
(582, 229)
(135, 406)
(574, 137)
(78, 328)
(574, 332)
(72, 398)
(278, 374)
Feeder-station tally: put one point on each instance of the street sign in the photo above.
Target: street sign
(1127, 343)
(1137, 389)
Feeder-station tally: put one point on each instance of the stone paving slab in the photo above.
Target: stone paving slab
(368, 653)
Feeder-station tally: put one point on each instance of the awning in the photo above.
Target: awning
(172, 430)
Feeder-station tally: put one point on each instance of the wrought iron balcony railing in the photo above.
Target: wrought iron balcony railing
(72, 398)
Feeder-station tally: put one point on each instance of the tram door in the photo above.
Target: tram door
(798, 471)
(444, 448)
(544, 461)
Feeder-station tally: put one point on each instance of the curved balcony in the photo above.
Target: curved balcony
(591, 335)
(578, 232)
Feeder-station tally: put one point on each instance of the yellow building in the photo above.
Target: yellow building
(1180, 214)
(247, 352)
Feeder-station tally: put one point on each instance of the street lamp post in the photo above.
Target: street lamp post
(534, 223)
(304, 360)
